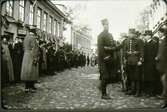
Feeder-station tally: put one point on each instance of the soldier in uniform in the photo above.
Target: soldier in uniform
(133, 57)
(105, 57)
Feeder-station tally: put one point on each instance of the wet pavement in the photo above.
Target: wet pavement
(73, 89)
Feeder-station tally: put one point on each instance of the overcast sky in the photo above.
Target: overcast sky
(120, 13)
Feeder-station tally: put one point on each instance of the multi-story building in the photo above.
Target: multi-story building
(41, 14)
(81, 39)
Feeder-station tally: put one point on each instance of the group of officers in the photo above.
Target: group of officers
(25, 59)
(141, 59)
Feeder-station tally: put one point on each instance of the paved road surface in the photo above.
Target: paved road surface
(73, 89)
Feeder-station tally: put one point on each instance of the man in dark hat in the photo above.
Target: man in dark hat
(17, 57)
(133, 56)
(105, 57)
(162, 61)
(150, 73)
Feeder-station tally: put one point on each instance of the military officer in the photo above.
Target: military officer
(105, 56)
(133, 57)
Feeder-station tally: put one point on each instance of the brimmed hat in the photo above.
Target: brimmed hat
(148, 32)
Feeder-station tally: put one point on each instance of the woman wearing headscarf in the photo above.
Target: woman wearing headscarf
(7, 65)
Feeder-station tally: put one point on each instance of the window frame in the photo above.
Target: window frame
(58, 28)
(50, 24)
(45, 21)
(22, 10)
(10, 8)
(55, 27)
(31, 14)
(39, 17)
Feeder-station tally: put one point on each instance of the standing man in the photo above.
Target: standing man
(88, 60)
(150, 73)
(105, 56)
(162, 62)
(17, 58)
(133, 57)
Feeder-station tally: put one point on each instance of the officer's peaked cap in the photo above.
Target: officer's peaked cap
(103, 21)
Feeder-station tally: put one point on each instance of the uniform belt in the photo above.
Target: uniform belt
(132, 52)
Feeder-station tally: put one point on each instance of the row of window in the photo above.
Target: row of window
(46, 18)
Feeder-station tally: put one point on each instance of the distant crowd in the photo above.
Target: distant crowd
(50, 59)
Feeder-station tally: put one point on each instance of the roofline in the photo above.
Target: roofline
(58, 11)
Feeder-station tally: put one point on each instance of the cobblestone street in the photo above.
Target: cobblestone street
(73, 89)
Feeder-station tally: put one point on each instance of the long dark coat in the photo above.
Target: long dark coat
(44, 64)
(162, 55)
(132, 69)
(105, 39)
(17, 59)
(150, 52)
(30, 71)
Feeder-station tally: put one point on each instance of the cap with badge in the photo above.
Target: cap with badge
(132, 30)
(148, 32)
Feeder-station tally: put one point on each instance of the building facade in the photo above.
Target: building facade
(81, 39)
(41, 14)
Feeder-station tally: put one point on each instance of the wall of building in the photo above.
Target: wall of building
(81, 40)
(43, 5)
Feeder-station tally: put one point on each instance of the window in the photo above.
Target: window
(44, 21)
(31, 15)
(50, 24)
(9, 7)
(55, 28)
(39, 18)
(58, 30)
(21, 10)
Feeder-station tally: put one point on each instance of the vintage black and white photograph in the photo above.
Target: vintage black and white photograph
(83, 54)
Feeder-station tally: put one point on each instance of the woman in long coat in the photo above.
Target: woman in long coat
(7, 60)
(30, 72)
